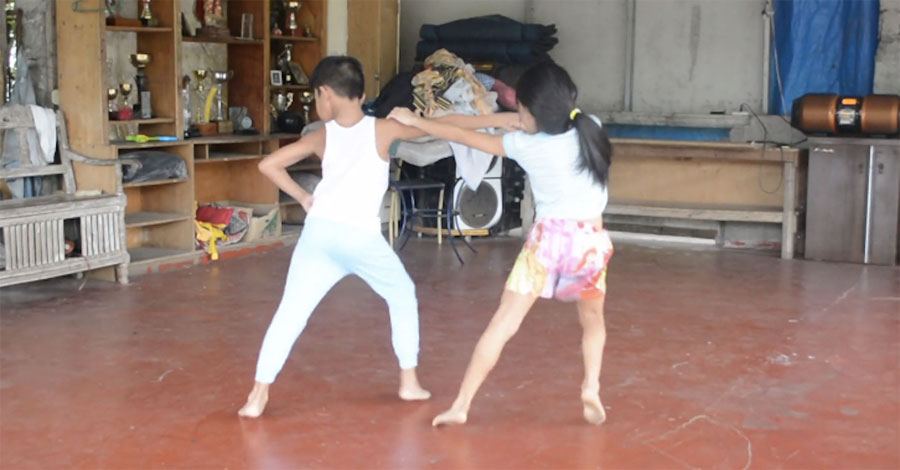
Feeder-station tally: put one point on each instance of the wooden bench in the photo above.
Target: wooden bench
(34, 229)
(709, 181)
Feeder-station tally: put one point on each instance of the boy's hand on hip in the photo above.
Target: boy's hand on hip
(307, 202)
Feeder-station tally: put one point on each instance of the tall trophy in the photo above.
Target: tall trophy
(291, 71)
(125, 111)
(200, 77)
(221, 109)
(111, 95)
(293, 27)
(147, 18)
(306, 99)
(140, 62)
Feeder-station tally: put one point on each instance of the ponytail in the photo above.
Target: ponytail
(596, 150)
(549, 94)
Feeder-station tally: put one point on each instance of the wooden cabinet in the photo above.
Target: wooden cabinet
(852, 202)
(159, 216)
(373, 29)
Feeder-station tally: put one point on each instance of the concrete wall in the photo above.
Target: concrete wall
(591, 46)
(691, 56)
(887, 60)
(697, 56)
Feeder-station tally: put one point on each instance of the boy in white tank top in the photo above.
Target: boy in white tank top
(342, 234)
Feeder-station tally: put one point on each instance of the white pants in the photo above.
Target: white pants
(328, 251)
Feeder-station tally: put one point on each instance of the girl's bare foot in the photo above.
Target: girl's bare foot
(256, 401)
(451, 416)
(410, 389)
(593, 408)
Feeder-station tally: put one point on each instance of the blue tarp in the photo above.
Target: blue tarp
(823, 46)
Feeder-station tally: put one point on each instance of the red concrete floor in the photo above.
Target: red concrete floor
(715, 360)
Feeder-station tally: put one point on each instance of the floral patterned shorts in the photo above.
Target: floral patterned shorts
(565, 259)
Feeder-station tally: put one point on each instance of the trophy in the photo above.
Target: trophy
(306, 99)
(221, 78)
(291, 71)
(147, 18)
(293, 27)
(140, 62)
(125, 90)
(111, 94)
(212, 16)
(287, 120)
(281, 103)
(125, 112)
(200, 76)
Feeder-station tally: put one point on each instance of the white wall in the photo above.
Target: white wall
(591, 47)
(887, 59)
(697, 56)
(691, 56)
(337, 27)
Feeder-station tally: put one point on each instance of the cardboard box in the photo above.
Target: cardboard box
(265, 221)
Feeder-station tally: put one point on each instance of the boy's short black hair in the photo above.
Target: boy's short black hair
(343, 74)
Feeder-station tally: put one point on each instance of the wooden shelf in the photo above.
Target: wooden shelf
(124, 144)
(146, 219)
(149, 253)
(227, 157)
(224, 40)
(142, 121)
(143, 184)
(291, 87)
(138, 29)
(285, 38)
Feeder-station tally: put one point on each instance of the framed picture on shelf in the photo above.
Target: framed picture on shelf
(275, 77)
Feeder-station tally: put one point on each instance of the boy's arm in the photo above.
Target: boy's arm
(275, 165)
(491, 144)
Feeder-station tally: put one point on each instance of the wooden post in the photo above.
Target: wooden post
(789, 225)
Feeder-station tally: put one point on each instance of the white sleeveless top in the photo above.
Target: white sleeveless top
(354, 176)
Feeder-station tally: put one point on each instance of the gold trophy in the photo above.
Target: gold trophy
(200, 77)
(140, 62)
(125, 90)
(111, 95)
(147, 18)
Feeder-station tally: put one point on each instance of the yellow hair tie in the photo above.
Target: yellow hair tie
(575, 112)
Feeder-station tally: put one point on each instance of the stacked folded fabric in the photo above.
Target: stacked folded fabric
(493, 38)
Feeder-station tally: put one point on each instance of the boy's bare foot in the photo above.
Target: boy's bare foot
(256, 401)
(451, 416)
(593, 408)
(410, 389)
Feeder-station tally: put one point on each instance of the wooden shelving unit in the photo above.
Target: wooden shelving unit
(159, 216)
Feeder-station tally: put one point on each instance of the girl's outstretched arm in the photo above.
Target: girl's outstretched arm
(509, 121)
(492, 144)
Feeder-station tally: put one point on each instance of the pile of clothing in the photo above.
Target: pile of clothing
(450, 85)
(494, 38)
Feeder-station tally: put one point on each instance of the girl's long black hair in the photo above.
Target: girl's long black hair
(549, 94)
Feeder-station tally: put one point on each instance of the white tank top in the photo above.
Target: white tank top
(354, 176)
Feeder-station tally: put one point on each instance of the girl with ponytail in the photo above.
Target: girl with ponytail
(566, 154)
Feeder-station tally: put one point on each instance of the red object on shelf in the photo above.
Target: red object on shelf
(125, 114)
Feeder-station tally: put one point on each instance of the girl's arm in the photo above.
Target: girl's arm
(275, 165)
(487, 143)
(509, 121)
